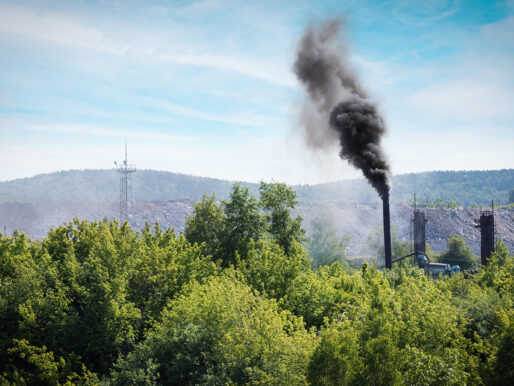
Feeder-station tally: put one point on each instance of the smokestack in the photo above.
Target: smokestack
(387, 231)
(486, 235)
(419, 231)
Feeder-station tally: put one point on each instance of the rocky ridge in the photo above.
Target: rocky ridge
(357, 221)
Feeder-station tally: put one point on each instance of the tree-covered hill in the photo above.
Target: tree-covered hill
(104, 185)
(464, 187)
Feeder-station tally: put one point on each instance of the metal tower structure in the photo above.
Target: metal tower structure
(419, 222)
(125, 171)
(486, 225)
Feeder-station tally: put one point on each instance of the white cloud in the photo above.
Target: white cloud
(465, 100)
(476, 84)
(107, 132)
(441, 111)
(253, 68)
(54, 28)
(499, 35)
(134, 43)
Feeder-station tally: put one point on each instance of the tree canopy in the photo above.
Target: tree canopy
(458, 253)
(99, 303)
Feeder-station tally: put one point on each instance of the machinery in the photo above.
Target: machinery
(434, 269)
(419, 256)
(485, 223)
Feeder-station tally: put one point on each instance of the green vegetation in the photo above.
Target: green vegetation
(234, 300)
(441, 188)
(458, 254)
(324, 245)
(439, 204)
(277, 200)
(220, 332)
(464, 188)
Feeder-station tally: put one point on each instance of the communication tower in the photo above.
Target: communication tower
(125, 171)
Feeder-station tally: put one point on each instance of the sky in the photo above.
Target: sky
(207, 88)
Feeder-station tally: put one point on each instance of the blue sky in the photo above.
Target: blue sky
(206, 87)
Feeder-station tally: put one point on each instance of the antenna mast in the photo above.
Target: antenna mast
(125, 171)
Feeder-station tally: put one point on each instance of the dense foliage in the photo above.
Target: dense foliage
(439, 188)
(458, 254)
(98, 303)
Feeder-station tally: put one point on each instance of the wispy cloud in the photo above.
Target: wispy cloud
(477, 83)
(229, 63)
(206, 86)
(107, 132)
(465, 100)
(54, 28)
(63, 29)
(244, 118)
(422, 12)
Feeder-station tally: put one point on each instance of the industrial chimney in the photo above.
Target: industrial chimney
(419, 231)
(387, 230)
(486, 225)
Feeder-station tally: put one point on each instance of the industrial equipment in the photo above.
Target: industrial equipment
(434, 269)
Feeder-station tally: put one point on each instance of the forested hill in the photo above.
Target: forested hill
(104, 185)
(464, 187)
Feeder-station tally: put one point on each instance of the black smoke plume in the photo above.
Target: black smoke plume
(337, 108)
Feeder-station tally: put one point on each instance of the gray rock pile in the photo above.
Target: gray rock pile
(357, 221)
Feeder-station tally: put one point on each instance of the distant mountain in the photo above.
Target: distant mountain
(464, 187)
(100, 185)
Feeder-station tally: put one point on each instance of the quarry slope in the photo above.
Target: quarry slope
(357, 221)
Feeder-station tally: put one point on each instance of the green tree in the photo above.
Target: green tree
(221, 332)
(321, 295)
(336, 360)
(205, 225)
(511, 196)
(87, 293)
(243, 222)
(149, 307)
(502, 370)
(458, 253)
(38, 366)
(268, 269)
(394, 332)
(325, 247)
(278, 199)
(164, 264)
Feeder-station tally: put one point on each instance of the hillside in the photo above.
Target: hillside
(464, 187)
(103, 186)
(356, 221)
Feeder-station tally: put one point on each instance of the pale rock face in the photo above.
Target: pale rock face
(353, 220)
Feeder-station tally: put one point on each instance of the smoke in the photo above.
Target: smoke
(337, 108)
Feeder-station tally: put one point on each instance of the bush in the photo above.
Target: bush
(458, 254)
(221, 332)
